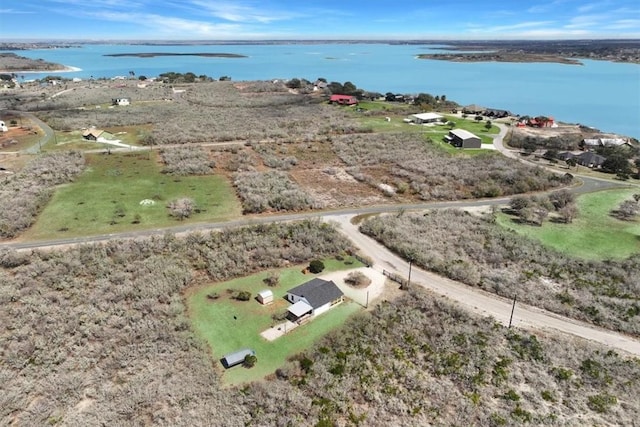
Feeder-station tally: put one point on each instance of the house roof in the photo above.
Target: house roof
(607, 142)
(565, 155)
(589, 158)
(236, 357)
(427, 116)
(591, 141)
(300, 308)
(462, 134)
(93, 132)
(317, 292)
(342, 96)
(473, 107)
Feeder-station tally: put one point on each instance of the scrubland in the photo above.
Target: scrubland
(98, 334)
(477, 251)
(24, 194)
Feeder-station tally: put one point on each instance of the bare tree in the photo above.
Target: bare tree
(182, 208)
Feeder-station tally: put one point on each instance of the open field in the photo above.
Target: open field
(594, 234)
(106, 198)
(228, 325)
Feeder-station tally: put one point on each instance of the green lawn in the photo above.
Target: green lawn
(594, 234)
(228, 325)
(437, 133)
(106, 198)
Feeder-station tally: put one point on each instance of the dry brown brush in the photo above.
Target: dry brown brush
(478, 252)
(270, 191)
(25, 194)
(416, 166)
(187, 160)
(420, 361)
(98, 334)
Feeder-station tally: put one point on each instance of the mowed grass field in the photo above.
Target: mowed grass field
(436, 133)
(106, 198)
(228, 325)
(594, 234)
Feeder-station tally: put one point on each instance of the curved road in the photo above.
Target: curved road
(482, 302)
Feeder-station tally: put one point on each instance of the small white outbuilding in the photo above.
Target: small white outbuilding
(265, 297)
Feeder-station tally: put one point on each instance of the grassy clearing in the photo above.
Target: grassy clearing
(594, 234)
(228, 325)
(396, 124)
(106, 198)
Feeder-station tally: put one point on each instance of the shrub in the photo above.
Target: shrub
(250, 361)
(182, 208)
(601, 402)
(357, 279)
(242, 295)
(272, 280)
(316, 266)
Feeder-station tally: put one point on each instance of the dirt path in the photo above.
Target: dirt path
(481, 302)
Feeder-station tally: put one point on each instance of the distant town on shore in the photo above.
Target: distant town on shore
(560, 51)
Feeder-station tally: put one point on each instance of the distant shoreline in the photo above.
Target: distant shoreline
(66, 69)
(154, 54)
(500, 57)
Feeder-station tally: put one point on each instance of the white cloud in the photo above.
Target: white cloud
(508, 28)
(14, 11)
(236, 12)
(624, 24)
(170, 25)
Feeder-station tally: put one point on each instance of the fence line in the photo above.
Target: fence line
(396, 278)
(364, 260)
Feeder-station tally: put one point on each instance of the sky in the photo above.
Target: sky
(317, 19)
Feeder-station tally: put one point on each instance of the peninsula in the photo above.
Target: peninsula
(557, 51)
(500, 57)
(12, 63)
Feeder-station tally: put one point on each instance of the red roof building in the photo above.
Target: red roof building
(343, 99)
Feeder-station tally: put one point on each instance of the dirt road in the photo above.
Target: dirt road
(481, 302)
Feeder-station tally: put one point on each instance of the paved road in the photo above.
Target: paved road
(588, 185)
(482, 302)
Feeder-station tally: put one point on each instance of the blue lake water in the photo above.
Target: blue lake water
(601, 94)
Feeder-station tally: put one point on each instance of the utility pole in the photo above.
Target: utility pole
(409, 278)
(512, 309)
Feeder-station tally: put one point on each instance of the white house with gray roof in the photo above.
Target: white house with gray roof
(313, 298)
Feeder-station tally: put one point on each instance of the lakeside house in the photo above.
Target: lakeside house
(343, 99)
(594, 143)
(587, 159)
(312, 298)
(425, 118)
(92, 134)
(463, 139)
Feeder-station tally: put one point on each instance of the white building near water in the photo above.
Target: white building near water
(425, 118)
